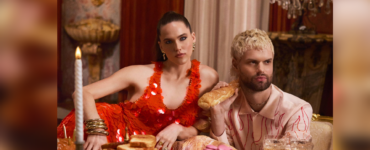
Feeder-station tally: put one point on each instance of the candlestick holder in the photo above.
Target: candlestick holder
(79, 145)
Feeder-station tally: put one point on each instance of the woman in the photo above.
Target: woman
(167, 107)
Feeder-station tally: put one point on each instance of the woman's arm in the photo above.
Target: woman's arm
(122, 79)
(187, 132)
(209, 78)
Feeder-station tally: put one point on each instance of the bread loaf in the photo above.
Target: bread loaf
(217, 96)
(128, 147)
(202, 125)
(112, 145)
(201, 142)
(142, 141)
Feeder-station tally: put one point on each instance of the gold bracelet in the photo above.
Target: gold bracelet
(95, 123)
(90, 127)
(94, 132)
(94, 120)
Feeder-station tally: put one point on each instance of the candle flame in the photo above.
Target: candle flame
(78, 53)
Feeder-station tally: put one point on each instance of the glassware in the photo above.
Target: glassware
(300, 144)
(272, 142)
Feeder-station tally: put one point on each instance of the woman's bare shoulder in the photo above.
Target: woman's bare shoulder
(137, 69)
(135, 72)
(207, 72)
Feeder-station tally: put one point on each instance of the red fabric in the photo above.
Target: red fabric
(147, 115)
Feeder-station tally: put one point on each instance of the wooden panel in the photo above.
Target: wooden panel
(138, 30)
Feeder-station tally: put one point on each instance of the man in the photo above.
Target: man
(258, 108)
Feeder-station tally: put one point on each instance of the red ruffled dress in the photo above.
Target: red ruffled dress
(147, 115)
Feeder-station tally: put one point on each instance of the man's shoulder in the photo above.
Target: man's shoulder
(290, 101)
(294, 99)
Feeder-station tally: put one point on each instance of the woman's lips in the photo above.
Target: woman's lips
(180, 55)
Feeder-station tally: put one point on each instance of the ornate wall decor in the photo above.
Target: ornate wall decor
(97, 2)
(91, 33)
(301, 63)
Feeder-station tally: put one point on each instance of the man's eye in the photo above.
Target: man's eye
(268, 61)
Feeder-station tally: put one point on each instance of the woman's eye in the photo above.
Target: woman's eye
(167, 42)
(183, 38)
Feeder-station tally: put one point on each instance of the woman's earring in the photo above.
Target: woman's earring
(164, 55)
(193, 47)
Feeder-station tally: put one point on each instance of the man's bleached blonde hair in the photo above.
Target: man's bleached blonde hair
(254, 39)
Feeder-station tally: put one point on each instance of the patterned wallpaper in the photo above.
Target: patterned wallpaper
(76, 10)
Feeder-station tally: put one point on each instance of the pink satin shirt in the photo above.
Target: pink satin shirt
(283, 114)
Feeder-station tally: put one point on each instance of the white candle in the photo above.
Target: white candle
(78, 97)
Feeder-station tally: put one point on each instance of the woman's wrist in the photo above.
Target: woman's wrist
(96, 126)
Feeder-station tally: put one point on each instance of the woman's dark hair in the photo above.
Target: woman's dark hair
(168, 18)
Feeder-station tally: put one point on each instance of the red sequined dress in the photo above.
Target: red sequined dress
(147, 115)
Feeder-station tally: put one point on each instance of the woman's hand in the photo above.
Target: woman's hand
(168, 136)
(94, 142)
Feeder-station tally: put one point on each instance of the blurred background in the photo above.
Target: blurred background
(352, 74)
(28, 74)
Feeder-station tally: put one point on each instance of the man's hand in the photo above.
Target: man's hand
(218, 111)
(225, 105)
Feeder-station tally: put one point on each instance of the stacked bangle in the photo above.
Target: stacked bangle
(93, 124)
(97, 132)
